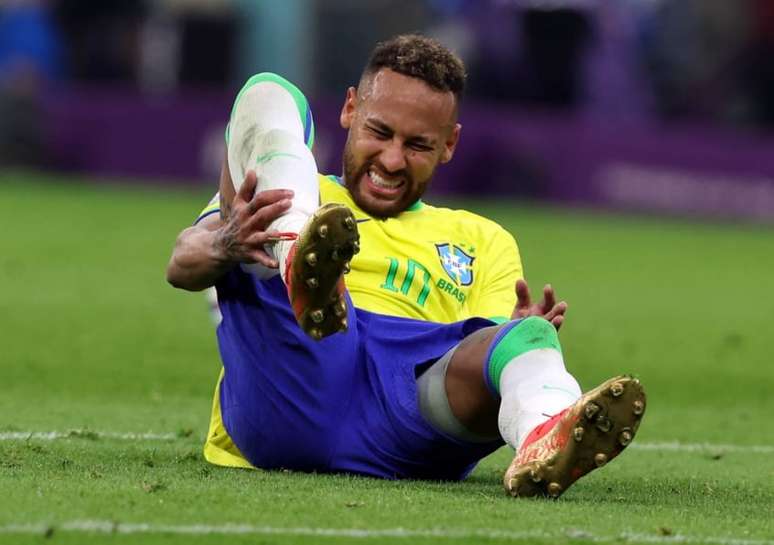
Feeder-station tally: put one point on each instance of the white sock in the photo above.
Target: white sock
(266, 135)
(533, 387)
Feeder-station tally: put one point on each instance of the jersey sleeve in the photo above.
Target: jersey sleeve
(213, 207)
(495, 296)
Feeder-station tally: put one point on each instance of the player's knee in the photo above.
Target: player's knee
(531, 333)
(273, 91)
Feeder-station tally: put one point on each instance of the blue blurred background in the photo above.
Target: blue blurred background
(663, 106)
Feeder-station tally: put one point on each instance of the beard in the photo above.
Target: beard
(353, 176)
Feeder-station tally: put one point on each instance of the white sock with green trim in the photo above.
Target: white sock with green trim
(268, 133)
(533, 387)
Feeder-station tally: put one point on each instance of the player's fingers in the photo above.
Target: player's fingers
(556, 310)
(549, 299)
(247, 190)
(260, 256)
(560, 308)
(557, 322)
(522, 294)
(263, 198)
(258, 238)
(261, 219)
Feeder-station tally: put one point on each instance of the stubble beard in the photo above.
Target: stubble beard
(353, 176)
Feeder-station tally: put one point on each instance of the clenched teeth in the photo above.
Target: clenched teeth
(383, 182)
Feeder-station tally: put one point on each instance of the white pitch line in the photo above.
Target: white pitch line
(84, 434)
(693, 447)
(669, 446)
(108, 527)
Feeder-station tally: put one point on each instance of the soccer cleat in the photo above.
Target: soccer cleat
(581, 438)
(316, 265)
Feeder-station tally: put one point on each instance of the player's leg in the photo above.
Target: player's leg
(512, 380)
(271, 131)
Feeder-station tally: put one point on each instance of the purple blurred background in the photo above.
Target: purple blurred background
(654, 105)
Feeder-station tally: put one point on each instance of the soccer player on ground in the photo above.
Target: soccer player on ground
(423, 361)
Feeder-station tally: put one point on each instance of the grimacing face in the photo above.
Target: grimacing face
(400, 130)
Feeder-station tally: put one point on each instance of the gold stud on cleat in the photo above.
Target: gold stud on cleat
(317, 316)
(312, 283)
(554, 489)
(340, 309)
(604, 424)
(617, 389)
(625, 437)
(311, 259)
(638, 407)
(577, 434)
(335, 255)
(356, 246)
(322, 230)
(535, 476)
(347, 268)
(600, 459)
(590, 410)
(316, 334)
(349, 222)
(344, 324)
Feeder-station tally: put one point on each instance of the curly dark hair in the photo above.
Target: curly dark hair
(419, 57)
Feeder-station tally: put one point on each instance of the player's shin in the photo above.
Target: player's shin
(284, 162)
(527, 369)
(270, 131)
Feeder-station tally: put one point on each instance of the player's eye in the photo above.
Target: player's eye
(416, 146)
(380, 133)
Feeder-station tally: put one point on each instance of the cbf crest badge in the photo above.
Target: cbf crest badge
(457, 264)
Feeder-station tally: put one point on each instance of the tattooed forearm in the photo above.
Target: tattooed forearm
(225, 209)
(226, 241)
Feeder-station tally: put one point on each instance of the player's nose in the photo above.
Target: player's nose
(392, 157)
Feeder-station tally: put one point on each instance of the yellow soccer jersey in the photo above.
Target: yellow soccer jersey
(430, 263)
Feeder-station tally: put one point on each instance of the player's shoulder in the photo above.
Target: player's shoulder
(485, 228)
(332, 190)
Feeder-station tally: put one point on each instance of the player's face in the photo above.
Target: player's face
(400, 130)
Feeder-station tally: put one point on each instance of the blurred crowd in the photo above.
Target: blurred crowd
(706, 60)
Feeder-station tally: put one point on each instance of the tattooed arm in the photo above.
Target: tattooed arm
(212, 247)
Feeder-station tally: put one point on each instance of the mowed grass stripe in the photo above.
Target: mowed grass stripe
(666, 446)
(111, 527)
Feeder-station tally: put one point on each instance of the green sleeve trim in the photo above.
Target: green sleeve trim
(304, 111)
(529, 334)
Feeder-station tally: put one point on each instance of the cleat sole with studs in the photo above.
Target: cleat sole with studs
(600, 425)
(322, 256)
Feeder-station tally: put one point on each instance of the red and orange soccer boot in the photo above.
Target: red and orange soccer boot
(581, 438)
(315, 268)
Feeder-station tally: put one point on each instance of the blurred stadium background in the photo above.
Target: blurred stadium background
(654, 105)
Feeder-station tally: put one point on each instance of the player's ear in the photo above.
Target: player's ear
(451, 143)
(348, 110)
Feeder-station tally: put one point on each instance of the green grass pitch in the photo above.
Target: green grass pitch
(94, 340)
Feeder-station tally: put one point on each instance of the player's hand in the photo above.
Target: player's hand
(242, 236)
(548, 308)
